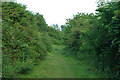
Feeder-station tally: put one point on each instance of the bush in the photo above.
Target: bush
(25, 39)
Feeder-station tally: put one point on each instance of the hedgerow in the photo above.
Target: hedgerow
(25, 39)
(98, 36)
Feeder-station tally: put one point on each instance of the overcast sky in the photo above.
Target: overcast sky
(57, 11)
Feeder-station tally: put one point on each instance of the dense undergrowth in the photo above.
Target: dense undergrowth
(98, 37)
(26, 39)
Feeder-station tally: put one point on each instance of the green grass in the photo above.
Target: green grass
(57, 65)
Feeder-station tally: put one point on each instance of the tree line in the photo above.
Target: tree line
(26, 39)
(97, 35)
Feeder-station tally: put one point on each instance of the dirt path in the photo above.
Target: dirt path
(57, 65)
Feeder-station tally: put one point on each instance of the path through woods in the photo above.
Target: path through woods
(57, 65)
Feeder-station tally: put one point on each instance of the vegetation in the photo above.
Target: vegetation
(27, 39)
(98, 36)
(55, 62)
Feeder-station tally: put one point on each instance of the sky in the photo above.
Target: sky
(57, 11)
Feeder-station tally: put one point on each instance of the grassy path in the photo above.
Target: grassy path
(57, 65)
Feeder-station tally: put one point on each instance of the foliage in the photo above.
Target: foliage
(27, 38)
(25, 41)
(55, 35)
(98, 36)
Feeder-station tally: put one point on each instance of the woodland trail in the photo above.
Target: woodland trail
(57, 65)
